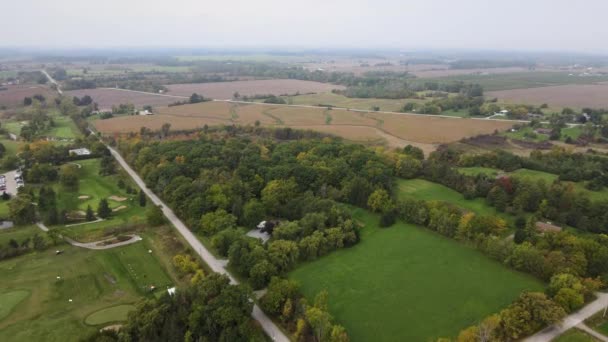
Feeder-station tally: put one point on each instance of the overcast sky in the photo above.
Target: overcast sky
(469, 24)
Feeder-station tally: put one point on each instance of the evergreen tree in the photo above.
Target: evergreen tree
(90, 214)
(104, 210)
(142, 198)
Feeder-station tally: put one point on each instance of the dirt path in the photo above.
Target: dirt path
(570, 321)
(95, 244)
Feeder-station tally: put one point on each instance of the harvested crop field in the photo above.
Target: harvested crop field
(225, 90)
(444, 72)
(14, 94)
(395, 129)
(108, 97)
(578, 96)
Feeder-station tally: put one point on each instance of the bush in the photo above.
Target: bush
(388, 218)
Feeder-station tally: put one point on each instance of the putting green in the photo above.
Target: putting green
(11, 299)
(112, 314)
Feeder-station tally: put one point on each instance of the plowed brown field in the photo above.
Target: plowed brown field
(225, 90)
(395, 129)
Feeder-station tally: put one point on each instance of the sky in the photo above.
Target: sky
(557, 25)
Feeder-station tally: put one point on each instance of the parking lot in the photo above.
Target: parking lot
(9, 183)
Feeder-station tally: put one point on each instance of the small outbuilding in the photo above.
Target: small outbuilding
(547, 227)
(80, 152)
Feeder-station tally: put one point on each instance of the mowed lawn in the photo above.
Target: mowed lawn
(406, 283)
(421, 189)
(575, 335)
(98, 187)
(40, 307)
(549, 178)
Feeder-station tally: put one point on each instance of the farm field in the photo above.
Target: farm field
(445, 72)
(398, 280)
(495, 82)
(225, 90)
(93, 280)
(108, 97)
(13, 96)
(575, 96)
(336, 100)
(398, 129)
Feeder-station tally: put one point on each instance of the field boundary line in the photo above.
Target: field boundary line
(144, 92)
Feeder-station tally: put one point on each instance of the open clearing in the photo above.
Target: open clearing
(398, 284)
(533, 175)
(94, 280)
(108, 315)
(225, 90)
(576, 96)
(108, 97)
(530, 79)
(421, 189)
(9, 300)
(401, 128)
(14, 94)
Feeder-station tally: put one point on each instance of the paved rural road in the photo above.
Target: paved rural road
(571, 321)
(216, 265)
(52, 80)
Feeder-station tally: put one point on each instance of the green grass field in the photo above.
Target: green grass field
(424, 190)
(598, 322)
(108, 315)
(517, 80)
(19, 233)
(575, 335)
(98, 187)
(93, 280)
(474, 171)
(64, 128)
(550, 178)
(9, 300)
(406, 283)
(526, 134)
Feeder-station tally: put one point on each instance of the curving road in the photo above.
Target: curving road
(571, 321)
(215, 264)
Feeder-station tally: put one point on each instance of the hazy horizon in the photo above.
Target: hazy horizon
(517, 25)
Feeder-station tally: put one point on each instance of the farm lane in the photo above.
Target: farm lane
(570, 321)
(52, 80)
(148, 93)
(216, 265)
